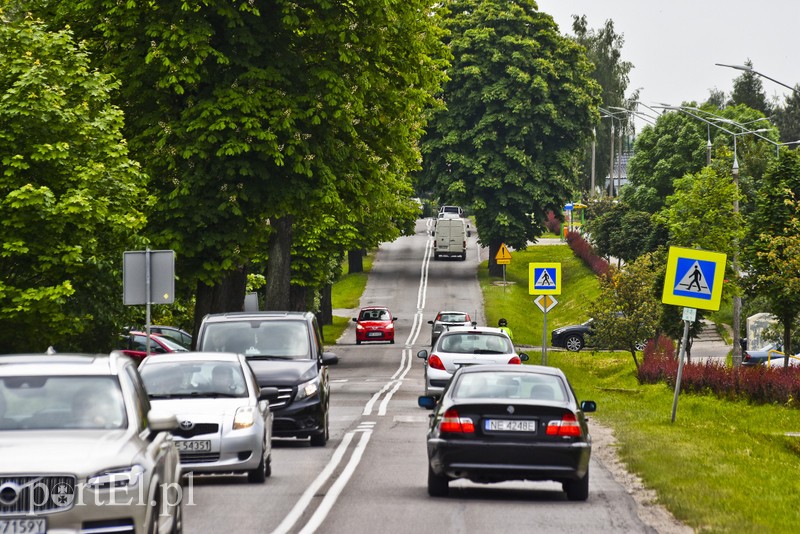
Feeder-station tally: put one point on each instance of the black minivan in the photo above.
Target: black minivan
(285, 351)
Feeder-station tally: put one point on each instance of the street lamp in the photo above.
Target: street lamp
(747, 68)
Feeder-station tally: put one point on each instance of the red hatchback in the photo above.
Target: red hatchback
(374, 323)
(134, 344)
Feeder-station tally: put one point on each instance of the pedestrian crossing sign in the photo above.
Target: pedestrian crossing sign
(694, 278)
(544, 279)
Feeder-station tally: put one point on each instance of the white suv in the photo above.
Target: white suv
(82, 452)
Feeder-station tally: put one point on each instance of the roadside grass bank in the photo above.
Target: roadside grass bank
(720, 467)
(346, 294)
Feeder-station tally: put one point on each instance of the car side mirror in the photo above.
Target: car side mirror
(430, 322)
(588, 406)
(161, 421)
(426, 401)
(422, 354)
(355, 319)
(523, 357)
(329, 358)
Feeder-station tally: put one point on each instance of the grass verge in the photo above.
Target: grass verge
(346, 294)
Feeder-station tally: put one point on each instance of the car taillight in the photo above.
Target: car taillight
(746, 357)
(568, 426)
(515, 360)
(436, 362)
(451, 422)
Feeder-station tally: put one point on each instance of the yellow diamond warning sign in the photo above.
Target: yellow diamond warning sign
(503, 256)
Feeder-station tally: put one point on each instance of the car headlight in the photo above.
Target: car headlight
(390, 326)
(307, 389)
(245, 417)
(124, 477)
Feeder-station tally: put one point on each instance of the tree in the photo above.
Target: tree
(672, 148)
(624, 233)
(520, 106)
(70, 196)
(604, 50)
(749, 90)
(771, 258)
(627, 310)
(250, 116)
(787, 118)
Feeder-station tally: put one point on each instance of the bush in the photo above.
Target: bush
(759, 385)
(552, 223)
(584, 251)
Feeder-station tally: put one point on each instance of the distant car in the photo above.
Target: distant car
(455, 210)
(446, 319)
(285, 351)
(225, 420)
(509, 422)
(82, 450)
(134, 344)
(464, 346)
(181, 337)
(771, 351)
(374, 323)
(575, 337)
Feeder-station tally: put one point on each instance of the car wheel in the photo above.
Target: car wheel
(358, 342)
(577, 490)
(319, 440)
(574, 343)
(435, 255)
(438, 485)
(640, 345)
(391, 341)
(259, 474)
(152, 528)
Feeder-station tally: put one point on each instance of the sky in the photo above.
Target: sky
(674, 44)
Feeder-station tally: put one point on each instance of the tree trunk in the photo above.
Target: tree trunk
(298, 298)
(325, 314)
(279, 263)
(494, 268)
(355, 263)
(225, 296)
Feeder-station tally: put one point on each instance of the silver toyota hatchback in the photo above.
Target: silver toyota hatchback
(81, 449)
(224, 416)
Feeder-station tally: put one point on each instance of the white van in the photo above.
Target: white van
(450, 238)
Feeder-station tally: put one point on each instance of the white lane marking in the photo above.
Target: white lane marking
(336, 489)
(296, 512)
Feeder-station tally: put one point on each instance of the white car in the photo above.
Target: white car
(225, 424)
(81, 449)
(462, 346)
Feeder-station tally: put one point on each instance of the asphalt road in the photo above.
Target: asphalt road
(371, 477)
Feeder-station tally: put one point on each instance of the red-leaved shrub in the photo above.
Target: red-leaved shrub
(581, 248)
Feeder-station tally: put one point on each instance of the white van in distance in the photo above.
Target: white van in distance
(450, 238)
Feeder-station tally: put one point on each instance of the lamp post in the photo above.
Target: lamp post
(751, 69)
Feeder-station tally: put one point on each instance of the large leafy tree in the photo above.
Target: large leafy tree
(70, 196)
(771, 255)
(623, 233)
(604, 50)
(251, 115)
(520, 106)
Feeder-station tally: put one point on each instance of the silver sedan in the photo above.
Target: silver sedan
(224, 417)
(463, 346)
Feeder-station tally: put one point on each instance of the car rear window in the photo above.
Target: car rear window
(475, 343)
(453, 318)
(503, 384)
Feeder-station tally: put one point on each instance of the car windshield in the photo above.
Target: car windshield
(374, 315)
(193, 379)
(273, 338)
(173, 345)
(61, 402)
(475, 343)
(509, 385)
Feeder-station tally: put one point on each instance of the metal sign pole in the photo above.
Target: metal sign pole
(689, 315)
(544, 334)
(504, 278)
(147, 298)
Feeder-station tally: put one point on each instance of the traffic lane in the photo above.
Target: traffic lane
(391, 483)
